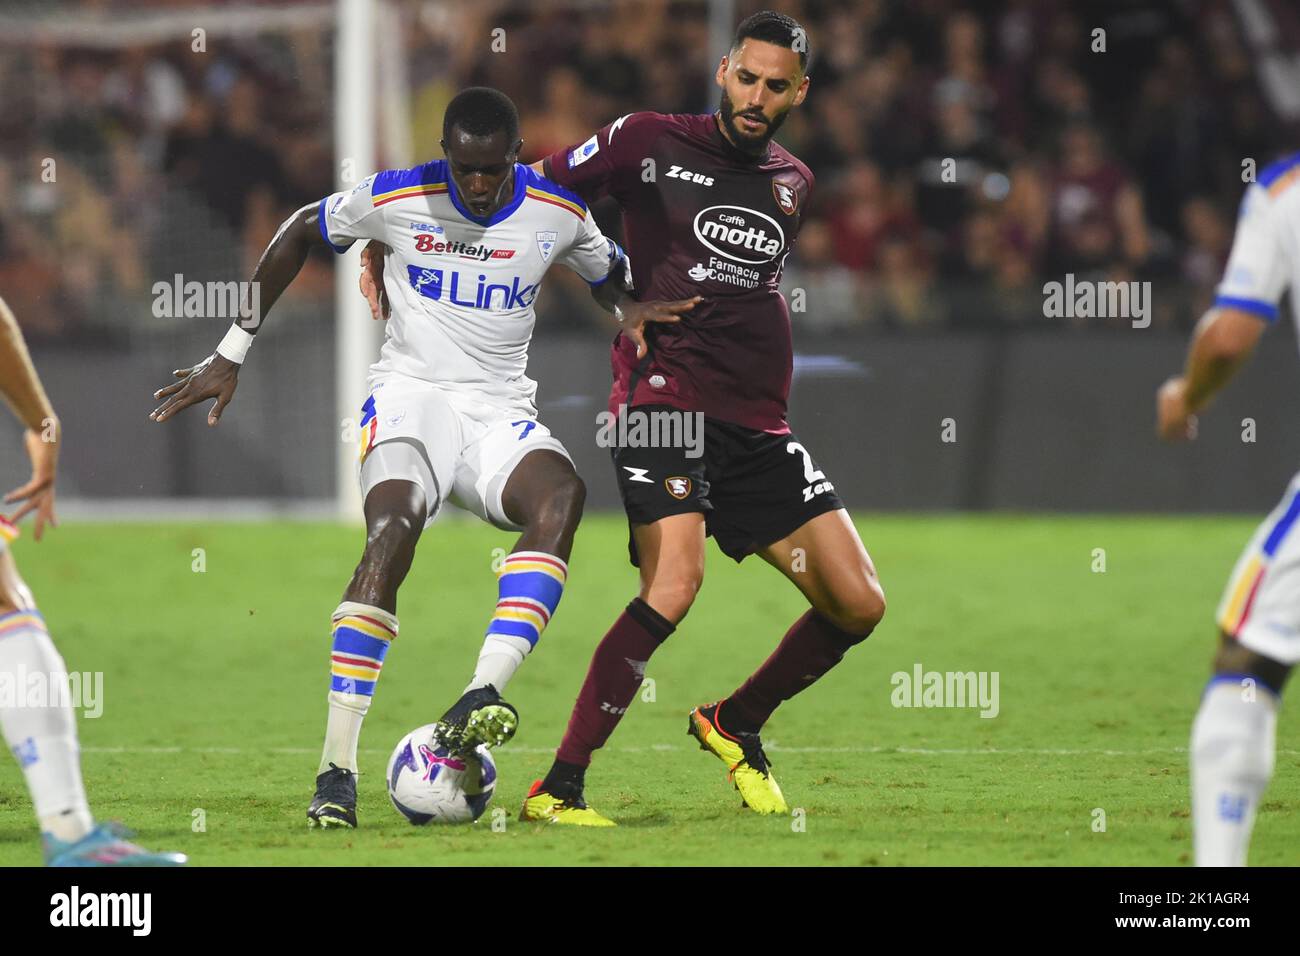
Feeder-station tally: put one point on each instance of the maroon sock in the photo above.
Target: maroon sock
(811, 647)
(617, 669)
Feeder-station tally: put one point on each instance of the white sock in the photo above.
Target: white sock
(1232, 752)
(361, 637)
(43, 738)
(497, 662)
(343, 730)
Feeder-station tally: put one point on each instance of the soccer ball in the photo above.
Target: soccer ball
(427, 784)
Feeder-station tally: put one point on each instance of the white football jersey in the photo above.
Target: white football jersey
(462, 287)
(1265, 259)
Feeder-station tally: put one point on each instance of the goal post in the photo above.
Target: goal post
(357, 336)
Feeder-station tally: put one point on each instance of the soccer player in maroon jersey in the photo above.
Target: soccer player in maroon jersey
(711, 207)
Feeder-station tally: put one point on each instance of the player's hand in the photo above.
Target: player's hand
(38, 494)
(215, 377)
(372, 279)
(634, 316)
(1174, 421)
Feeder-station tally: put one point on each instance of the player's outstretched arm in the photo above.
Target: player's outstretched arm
(23, 391)
(614, 295)
(217, 375)
(1224, 338)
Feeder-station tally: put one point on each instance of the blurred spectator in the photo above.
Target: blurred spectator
(865, 210)
(1114, 164)
(1095, 208)
(823, 294)
(902, 297)
(207, 148)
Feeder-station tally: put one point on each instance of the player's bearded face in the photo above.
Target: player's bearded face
(761, 83)
(744, 134)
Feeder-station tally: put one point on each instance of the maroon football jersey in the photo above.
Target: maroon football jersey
(700, 218)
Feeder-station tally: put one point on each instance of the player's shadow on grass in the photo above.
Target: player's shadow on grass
(647, 821)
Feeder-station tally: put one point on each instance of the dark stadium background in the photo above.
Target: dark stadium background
(924, 298)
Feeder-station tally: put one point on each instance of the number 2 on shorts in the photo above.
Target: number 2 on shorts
(810, 474)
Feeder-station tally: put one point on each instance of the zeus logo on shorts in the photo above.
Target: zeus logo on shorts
(813, 491)
(436, 285)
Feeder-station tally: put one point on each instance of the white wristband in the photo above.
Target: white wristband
(235, 345)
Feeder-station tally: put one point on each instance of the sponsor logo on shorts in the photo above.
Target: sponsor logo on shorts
(678, 487)
(657, 381)
(820, 488)
(786, 197)
(396, 419)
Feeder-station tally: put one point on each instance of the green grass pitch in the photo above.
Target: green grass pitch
(215, 681)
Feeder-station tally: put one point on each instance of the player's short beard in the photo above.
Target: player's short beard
(742, 140)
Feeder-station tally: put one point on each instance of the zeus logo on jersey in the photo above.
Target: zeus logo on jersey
(676, 172)
(740, 234)
(432, 283)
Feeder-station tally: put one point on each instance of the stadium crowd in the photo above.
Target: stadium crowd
(964, 153)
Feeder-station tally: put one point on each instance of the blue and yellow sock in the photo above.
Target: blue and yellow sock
(529, 588)
(362, 635)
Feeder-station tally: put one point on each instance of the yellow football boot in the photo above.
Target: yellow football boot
(543, 807)
(747, 765)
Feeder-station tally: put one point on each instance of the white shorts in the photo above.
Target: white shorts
(1261, 605)
(466, 449)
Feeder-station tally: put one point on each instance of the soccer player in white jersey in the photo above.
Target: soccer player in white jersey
(1233, 737)
(43, 735)
(451, 413)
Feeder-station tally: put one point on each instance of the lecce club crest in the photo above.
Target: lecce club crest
(546, 243)
(679, 488)
(786, 197)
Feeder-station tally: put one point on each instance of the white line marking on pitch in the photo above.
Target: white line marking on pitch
(775, 748)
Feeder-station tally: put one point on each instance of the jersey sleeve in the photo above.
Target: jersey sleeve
(1256, 274)
(591, 254)
(608, 162)
(347, 216)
